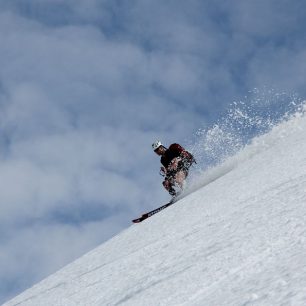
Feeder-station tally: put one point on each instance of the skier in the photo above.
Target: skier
(176, 162)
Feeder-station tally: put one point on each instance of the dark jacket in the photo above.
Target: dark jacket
(175, 150)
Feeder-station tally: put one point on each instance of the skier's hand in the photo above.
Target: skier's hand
(188, 158)
(162, 171)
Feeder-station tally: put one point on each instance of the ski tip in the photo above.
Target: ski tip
(136, 221)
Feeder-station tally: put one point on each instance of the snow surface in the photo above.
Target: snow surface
(238, 238)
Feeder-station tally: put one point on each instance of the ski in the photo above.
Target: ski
(152, 212)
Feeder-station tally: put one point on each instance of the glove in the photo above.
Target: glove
(162, 171)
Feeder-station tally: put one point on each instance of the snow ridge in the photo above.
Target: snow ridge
(238, 238)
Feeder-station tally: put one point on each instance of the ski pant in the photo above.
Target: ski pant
(172, 178)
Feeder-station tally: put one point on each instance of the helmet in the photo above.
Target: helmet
(156, 144)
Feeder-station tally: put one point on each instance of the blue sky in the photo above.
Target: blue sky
(86, 86)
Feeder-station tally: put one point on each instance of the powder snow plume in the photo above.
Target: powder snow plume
(233, 138)
(246, 119)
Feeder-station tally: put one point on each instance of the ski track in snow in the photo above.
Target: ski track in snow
(238, 238)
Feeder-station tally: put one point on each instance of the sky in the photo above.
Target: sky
(87, 86)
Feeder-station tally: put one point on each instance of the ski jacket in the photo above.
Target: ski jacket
(174, 151)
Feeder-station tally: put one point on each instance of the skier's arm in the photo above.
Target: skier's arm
(188, 157)
(182, 153)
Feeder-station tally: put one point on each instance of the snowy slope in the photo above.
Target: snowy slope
(240, 240)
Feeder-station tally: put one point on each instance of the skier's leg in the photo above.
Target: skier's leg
(168, 184)
(180, 178)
